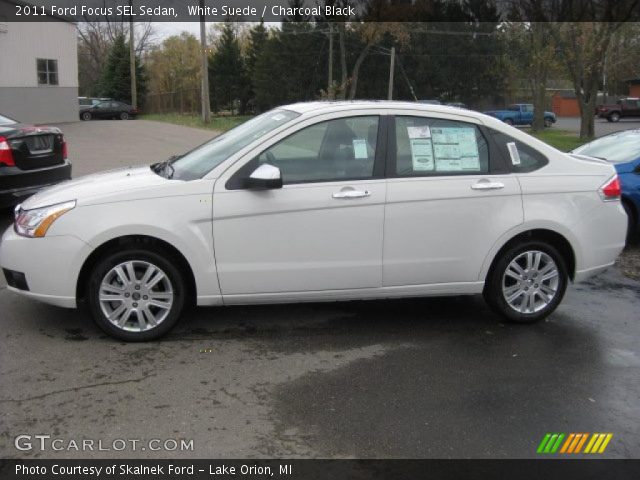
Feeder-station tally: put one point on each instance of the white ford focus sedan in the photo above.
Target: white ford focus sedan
(323, 202)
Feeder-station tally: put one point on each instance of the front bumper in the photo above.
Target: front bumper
(50, 265)
(16, 185)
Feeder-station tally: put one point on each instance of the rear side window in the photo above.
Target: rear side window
(522, 158)
(437, 147)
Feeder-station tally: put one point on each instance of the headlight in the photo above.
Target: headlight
(36, 222)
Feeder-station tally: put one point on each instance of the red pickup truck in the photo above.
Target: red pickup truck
(625, 107)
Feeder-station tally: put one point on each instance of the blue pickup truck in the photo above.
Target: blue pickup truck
(521, 114)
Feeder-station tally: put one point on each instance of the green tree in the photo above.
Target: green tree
(258, 37)
(227, 75)
(116, 76)
(291, 67)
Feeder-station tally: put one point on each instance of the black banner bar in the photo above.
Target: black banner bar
(321, 10)
(543, 469)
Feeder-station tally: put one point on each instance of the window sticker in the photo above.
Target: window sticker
(419, 132)
(455, 149)
(421, 154)
(513, 153)
(360, 148)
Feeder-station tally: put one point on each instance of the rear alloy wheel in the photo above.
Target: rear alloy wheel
(136, 295)
(527, 282)
(86, 116)
(124, 116)
(614, 117)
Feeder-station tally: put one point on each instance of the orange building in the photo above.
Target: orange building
(565, 104)
(634, 87)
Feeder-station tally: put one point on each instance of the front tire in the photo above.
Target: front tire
(136, 294)
(527, 282)
(614, 117)
(124, 116)
(86, 116)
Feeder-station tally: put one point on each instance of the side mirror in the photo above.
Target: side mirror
(264, 177)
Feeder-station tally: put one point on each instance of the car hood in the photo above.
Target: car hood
(114, 185)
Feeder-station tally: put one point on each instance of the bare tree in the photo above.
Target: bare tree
(94, 42)
(372, 34)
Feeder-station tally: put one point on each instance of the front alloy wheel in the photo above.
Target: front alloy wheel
(136, 295)
(527, 282)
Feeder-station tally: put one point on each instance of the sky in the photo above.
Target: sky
(166, 29)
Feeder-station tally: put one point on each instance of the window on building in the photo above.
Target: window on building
(47, 71)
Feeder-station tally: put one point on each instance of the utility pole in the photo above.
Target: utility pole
(391, 68)
(132, 60)
(330, 79)
(204, 68)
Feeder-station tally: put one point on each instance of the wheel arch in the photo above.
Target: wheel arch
(553, 238)
(144, 241)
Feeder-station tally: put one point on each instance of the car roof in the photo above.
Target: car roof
(329, 106)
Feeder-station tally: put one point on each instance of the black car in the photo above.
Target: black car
(108, 109)
(31, 158)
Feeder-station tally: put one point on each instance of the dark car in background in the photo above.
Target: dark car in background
(623, 108)
(622, 149)
(31, 158)
(84, 102)
(108, 109)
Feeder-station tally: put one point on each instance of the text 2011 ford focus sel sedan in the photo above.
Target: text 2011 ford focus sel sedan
(323, 201)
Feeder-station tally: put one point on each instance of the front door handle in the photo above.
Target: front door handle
(487, 185)
(350, 194)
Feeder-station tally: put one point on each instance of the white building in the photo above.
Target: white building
(39, 69)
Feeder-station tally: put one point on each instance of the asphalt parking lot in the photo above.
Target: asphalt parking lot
(602, 126)
(427, 378)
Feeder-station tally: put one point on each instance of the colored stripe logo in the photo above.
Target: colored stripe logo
(573, 443)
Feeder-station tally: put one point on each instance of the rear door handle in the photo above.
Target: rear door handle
(487, 185)
(350, 194)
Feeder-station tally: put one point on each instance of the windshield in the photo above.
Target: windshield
(203, 159)
(620, 147)
(6, 121)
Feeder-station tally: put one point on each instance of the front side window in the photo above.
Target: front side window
(47, 71)
(335, 150)
(432, 147)
(200, 161)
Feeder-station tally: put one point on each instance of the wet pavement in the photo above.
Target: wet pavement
(419, 378)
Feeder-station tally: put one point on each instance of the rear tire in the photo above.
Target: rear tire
(86, 116)
(632, 224)
(124, 116)
(527, 282)
(136, 294)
